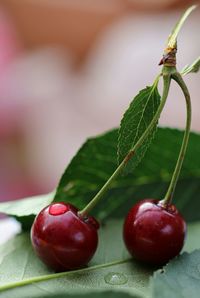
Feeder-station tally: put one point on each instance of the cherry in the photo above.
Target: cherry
(62, 239)
(154, 233)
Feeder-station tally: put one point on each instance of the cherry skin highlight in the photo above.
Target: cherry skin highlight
(62, 239)
(153, 233)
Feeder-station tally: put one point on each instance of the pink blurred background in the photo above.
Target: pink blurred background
(68, 70)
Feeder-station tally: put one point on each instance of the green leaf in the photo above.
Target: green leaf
(134, 123)
(89, 170)
(194, 67)
(26, 207)
(96, 161)
(179, 279)
(24, 210)
(20, 263)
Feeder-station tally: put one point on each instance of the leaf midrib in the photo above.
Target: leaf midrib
(142, 116)
(46, 277)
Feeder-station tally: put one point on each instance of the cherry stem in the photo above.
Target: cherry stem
(41, 278)
(170, 192)
(167, 73)
(172, 40)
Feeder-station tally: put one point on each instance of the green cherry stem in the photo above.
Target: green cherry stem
(167, 73)
(172, 40)
(169, 195)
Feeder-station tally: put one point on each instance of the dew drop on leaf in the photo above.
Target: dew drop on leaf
(115, 278)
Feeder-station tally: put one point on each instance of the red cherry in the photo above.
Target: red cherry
(154, 233)
(62, 239)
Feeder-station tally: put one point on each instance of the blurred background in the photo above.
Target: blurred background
(68, 70)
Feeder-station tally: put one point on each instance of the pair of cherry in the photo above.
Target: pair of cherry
(64, 240)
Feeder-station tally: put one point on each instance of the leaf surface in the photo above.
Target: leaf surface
(134, 123)
(96, 161)
(18, 262)
(27, 206)
(85, 175)
(21, 263)
(179, 279)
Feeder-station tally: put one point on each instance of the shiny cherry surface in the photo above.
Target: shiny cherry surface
(153, 233)
(62, 239)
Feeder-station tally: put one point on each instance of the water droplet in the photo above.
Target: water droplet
(115, 278)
